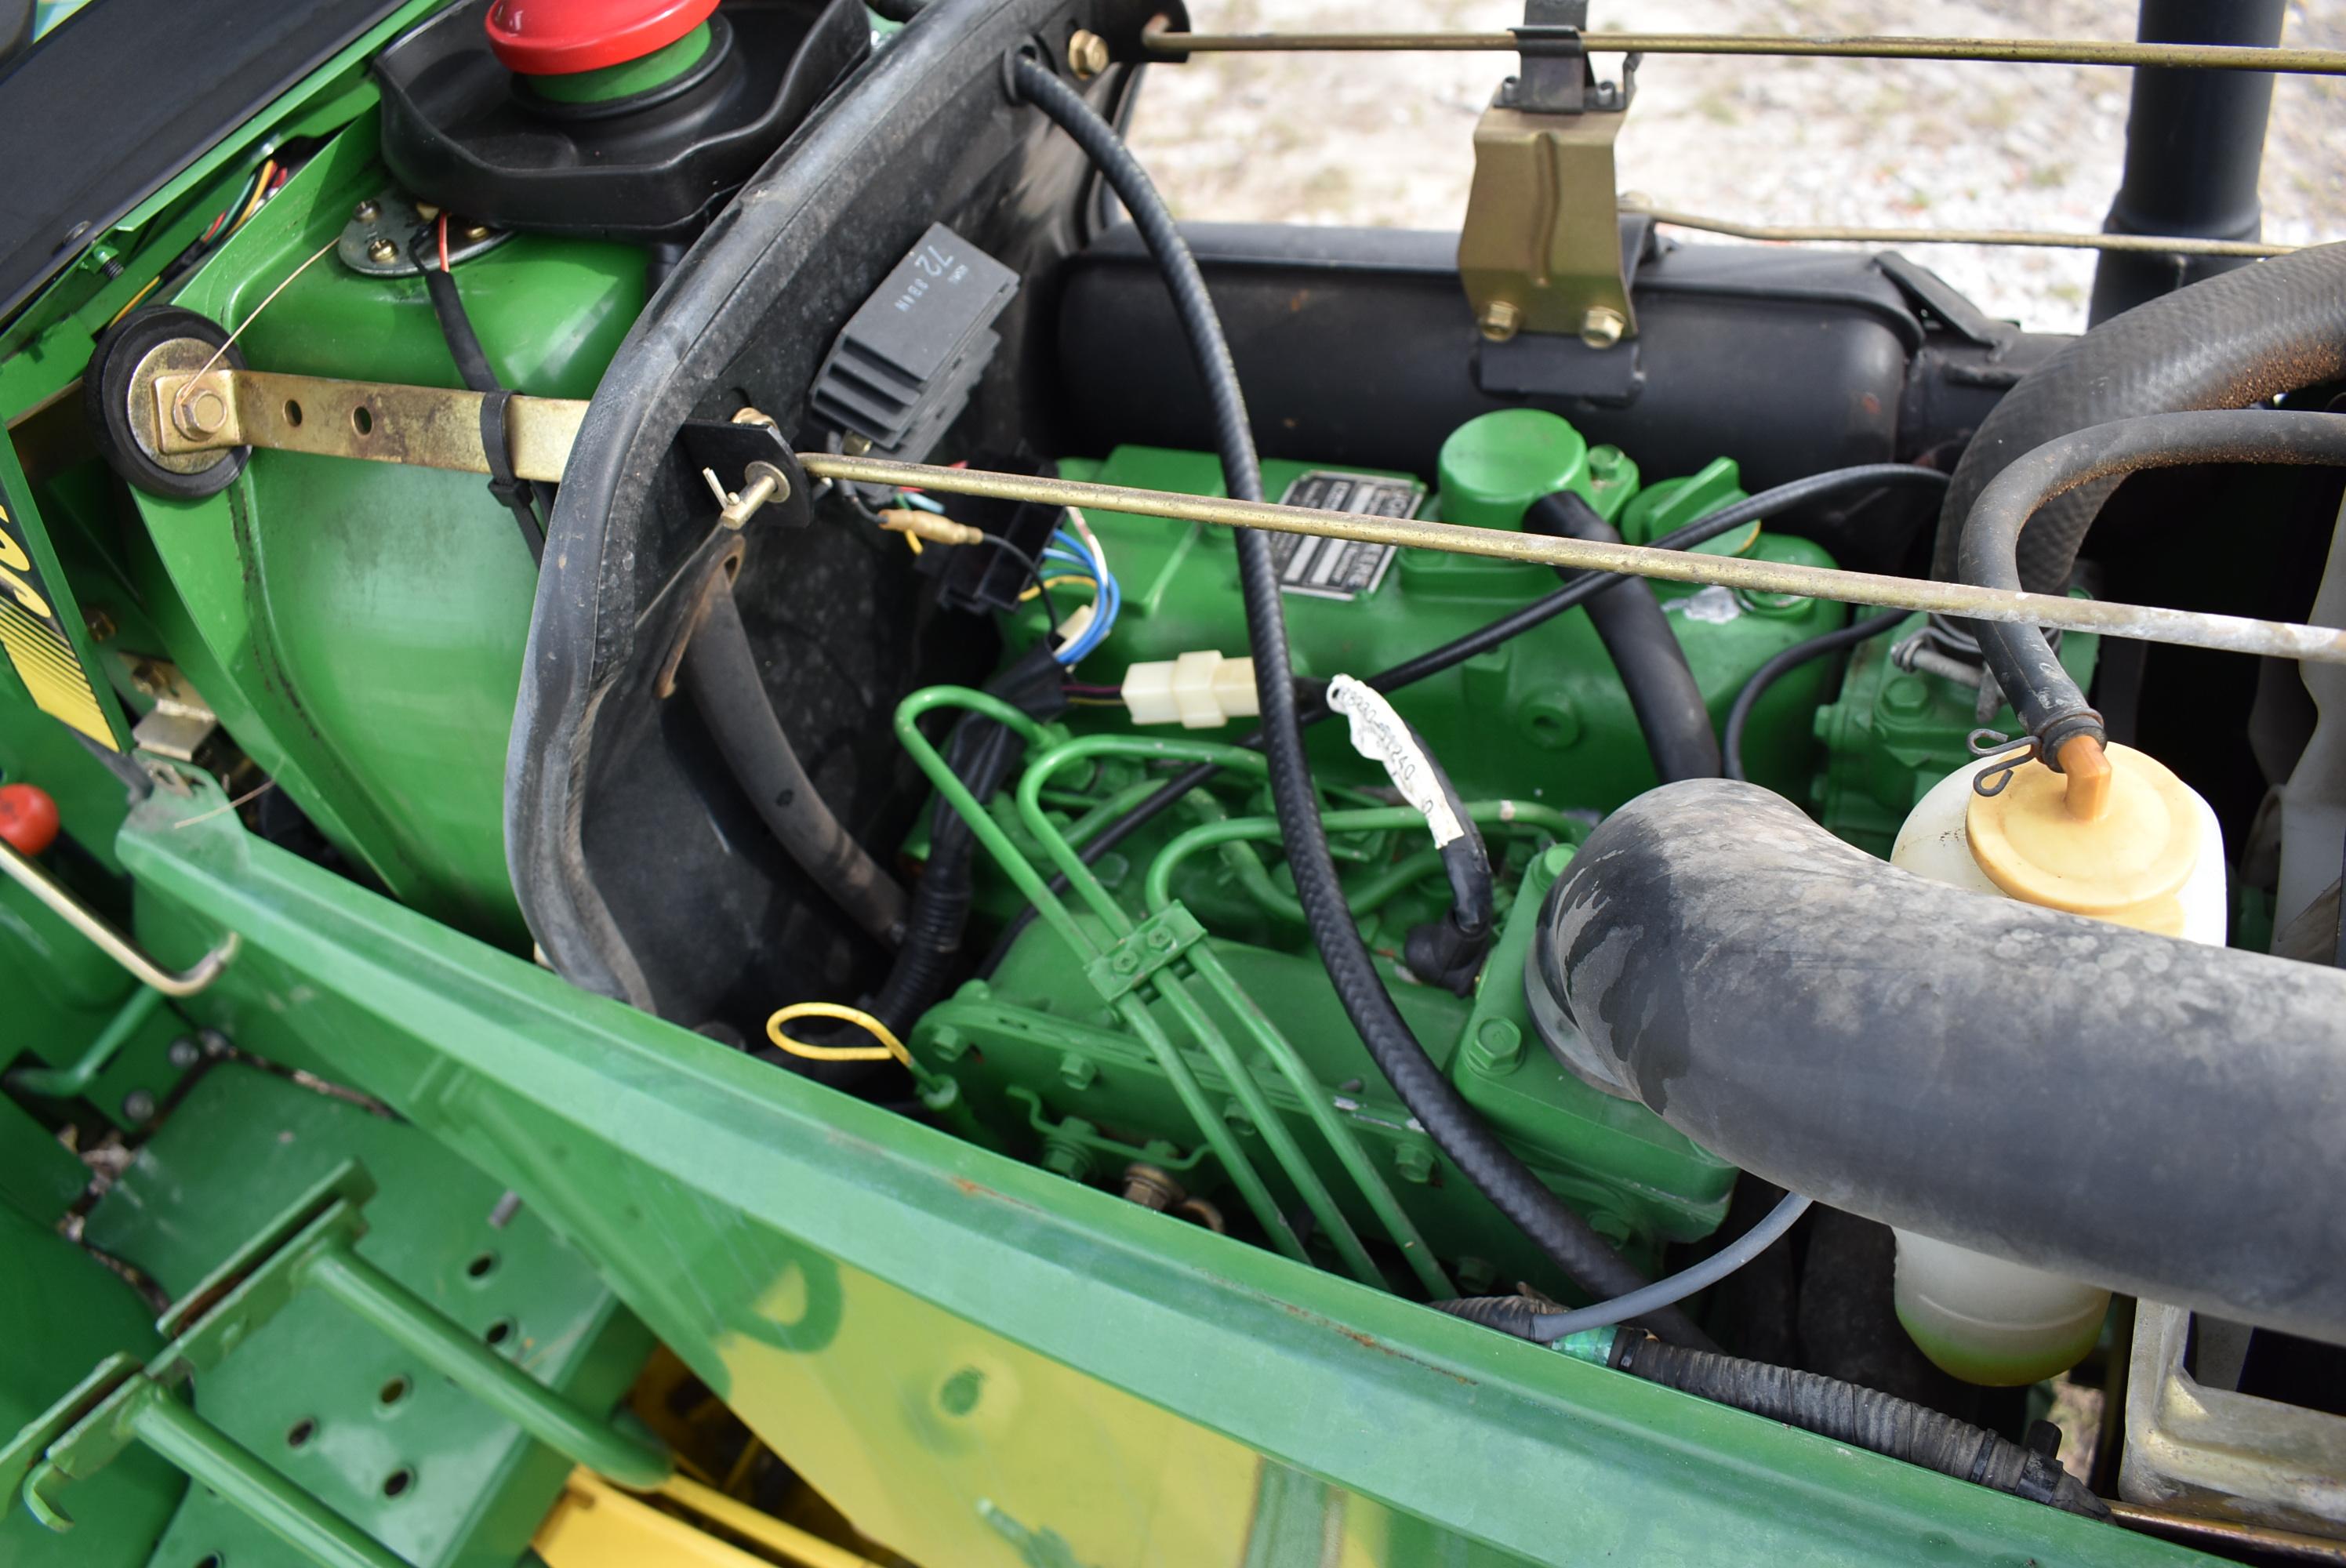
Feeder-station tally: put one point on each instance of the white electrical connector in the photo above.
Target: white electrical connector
(1202, 690)
(1073, 626)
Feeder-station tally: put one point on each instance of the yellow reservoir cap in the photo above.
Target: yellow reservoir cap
(2127, 868)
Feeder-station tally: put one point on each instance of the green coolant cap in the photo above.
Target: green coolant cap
(1496, 464)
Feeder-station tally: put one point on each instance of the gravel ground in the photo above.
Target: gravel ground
(1385, 140)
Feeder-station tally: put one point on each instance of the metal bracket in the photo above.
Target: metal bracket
(382, 422)
(1154, 943)
(749, 445)
(1539, 249)
(309, 1245)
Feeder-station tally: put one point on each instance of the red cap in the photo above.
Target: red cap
(557, 38)
(28, 817)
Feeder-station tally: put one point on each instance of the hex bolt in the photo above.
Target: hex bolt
(213, 1042)
(1501, 319)
(366, 212)
(137, 1105)
(1078, 1072)
(1603, 327)
(381, 251)
(476, 233)
(186, 1053)
(854, 444)
(1087, 55)
(200, 413)
(1150, 1187)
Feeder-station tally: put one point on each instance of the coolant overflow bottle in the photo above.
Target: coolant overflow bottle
(2155, 860)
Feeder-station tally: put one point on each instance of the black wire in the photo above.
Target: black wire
(1454, 1127)
(1034, 573)
(1740, 716)
(1434, 661)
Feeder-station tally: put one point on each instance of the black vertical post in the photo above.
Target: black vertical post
(2195, 145)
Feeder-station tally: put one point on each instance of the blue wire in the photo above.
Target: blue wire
(1107, 600)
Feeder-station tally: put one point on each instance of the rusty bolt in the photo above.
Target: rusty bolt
(1150, 1187)
(1087, 55)
(1500, 319)
(1602, 327)
(381, 251)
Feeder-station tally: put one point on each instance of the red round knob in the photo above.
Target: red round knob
(28, 817)
(557, 38)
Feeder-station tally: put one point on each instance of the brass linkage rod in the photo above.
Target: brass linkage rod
(2008, 51)
(2149, 622)
(1806, 233)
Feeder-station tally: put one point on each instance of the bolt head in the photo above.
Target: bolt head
(1603, 327)
(1502, 318)
(137, 1105)
(381, 251)
(101, 624)
(1087, 55)
(201, 414)
(186, 1053)
(212, 1040)
(366, 212)
(476, 233)
(855, 445)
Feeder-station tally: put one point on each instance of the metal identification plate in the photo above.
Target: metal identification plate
(34, 628)
(1341, 568)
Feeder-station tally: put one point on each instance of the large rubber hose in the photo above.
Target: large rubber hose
(2151, 1114)
(1629, 618)
(720, 671)
(1457, 1130)
(2014, 506)
(2223, 342)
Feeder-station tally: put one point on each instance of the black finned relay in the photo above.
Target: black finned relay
(906, 362)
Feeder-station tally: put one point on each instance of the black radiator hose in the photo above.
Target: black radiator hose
(2222, 342)
(2142, 1113)
(1629, 618)
(1495, 1170)
(1860, 1417)
(720, 672)
(2021, 497)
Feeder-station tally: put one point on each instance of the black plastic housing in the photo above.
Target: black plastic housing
(460, 129)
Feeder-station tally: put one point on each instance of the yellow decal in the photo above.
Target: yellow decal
(37, 646)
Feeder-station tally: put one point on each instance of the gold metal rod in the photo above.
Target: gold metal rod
(2228, 1533)
(28, 874)
(2008, 51)
(2159, 244)
(2148, 623)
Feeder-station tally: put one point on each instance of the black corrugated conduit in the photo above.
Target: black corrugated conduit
(1561, 1234)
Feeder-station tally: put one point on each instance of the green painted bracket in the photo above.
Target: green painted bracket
(309, 1245)
(1154, 943)
(71, 1083)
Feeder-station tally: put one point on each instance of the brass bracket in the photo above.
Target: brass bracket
(427, 427)
(1540, 251)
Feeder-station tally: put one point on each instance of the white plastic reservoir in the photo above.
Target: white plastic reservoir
(2155, 860)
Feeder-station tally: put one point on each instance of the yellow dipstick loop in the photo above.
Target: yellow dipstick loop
(889, 1046)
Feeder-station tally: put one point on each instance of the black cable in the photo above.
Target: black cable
(517, 494)
(1560, 1233)
(1862, 1418)
(1450, 655)
(1738, 717)
(1033, 574)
